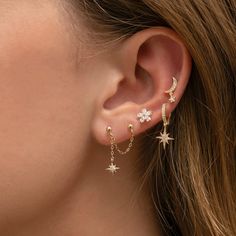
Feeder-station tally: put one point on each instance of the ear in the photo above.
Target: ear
(144, 66)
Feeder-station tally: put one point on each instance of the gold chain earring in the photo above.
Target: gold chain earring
(112, 167)
(164, 136)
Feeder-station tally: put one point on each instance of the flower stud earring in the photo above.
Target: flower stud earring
(172, 90)
(164, 136)
(112, 167)
(144, 115)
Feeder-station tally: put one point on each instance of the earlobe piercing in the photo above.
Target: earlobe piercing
(164, 136)
(112, 167)
(172, 90)
(144, 115)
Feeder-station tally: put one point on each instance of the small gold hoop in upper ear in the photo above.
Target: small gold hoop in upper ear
(113, 168)
(172, 90)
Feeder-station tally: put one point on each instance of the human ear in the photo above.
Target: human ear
(144, 66)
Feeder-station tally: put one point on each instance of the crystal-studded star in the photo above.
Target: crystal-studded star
(172, 99)
(112, 168)
(144, 115)
(164, 138)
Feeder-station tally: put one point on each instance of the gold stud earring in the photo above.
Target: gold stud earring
(172, 90)
(164, 136)
(112, 167)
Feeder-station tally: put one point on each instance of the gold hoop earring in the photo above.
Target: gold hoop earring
(172, 90)
(164, 136)
(112, 167)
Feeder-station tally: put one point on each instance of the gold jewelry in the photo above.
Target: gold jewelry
(172, 90)
(144, 115)
(164, 136)
(112, 167)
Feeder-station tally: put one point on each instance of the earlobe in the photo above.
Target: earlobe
(164, 67)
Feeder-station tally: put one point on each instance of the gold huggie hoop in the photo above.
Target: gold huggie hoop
(164, 136)
(172, 90)
(112, 167)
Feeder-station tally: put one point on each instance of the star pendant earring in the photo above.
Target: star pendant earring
(164, 136)
(114, 147)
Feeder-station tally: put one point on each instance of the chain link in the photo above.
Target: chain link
(114, 144)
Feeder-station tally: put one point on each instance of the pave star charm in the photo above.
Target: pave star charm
(172, 99)
(144, 115)
(164, 138)
(112, 168)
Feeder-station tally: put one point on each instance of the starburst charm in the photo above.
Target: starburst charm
(144, 115)
(172, 99)
(112, 168)
(164, 138)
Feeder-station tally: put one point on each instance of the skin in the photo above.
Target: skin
(54, 114)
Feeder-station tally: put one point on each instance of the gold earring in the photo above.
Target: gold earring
(164, 136)
(172, 90)
(112, 167)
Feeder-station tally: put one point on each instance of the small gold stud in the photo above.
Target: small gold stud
(109, 129)
(131, 126)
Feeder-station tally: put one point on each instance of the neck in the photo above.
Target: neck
(101, 203)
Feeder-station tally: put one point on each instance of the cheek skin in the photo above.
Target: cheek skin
(44, 116)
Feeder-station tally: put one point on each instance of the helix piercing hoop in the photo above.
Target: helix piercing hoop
(164, 136)
(172, 90)
(112, 167)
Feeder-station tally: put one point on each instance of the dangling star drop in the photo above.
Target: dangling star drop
(112, 168)
(164, 138)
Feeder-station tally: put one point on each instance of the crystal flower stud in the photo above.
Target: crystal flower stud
(144, 115)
